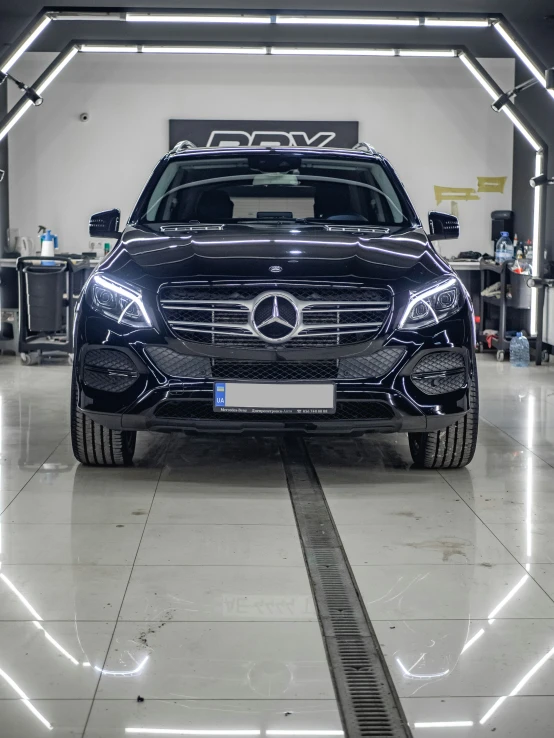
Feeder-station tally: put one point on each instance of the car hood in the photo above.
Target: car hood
(147, 258)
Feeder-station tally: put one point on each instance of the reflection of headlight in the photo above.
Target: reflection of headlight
(121, 303)
(438, 301)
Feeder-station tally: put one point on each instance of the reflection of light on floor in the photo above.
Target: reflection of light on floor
(506, 599)
(25, 699)
(452, 724)
(518, 687)
(125, 673)
(177, 731)
(23, 599)
(472, 640)
(529, 490)
(55, 643)
(409, 674)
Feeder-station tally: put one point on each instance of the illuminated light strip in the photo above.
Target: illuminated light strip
(17, 117)
(521, 128)
(204, 50)
(178, 731)
(472, 640)
(193, 18)
(22, 48)
(427, 53)
(284, 51)
(24, 699)
(518, 686)
(531, 66)
(64, 61)
(55, 643)
(319, 20)
(451, 724)
(483, 81)
(537, 242)
(506, 599)
(27, 604)
(458, 23)
(109, 49)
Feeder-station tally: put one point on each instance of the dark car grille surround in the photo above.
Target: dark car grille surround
(440, 372)
(201, 410)
(222, 315)
(174, 364)
(109, 370)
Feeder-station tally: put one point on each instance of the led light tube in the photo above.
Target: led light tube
(284, 51)
(458, 22)
(193, 18)
(260, 50)
(24, 45)
(320, 20)
(109, 49)
(424, 53)
(64, 61)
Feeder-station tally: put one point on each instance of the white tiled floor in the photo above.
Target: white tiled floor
(182, 580)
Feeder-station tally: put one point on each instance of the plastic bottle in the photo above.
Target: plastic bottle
(519, 350)
(504, 248)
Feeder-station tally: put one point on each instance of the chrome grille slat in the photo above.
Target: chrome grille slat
(222, 315)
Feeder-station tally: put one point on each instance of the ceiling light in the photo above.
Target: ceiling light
(11, 123)
(204, 50)
(319, 20)
(529, 63)
(109, 49)
(483, 81)
(194, 18)
(57, 68)
(191, 731)
(24, 45)
(284, 51)
(458, 22)
(522, 128)
(427, 53)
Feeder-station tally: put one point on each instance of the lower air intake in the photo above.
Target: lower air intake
(440, 372)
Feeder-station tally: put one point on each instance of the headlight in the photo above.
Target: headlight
(119, 302)
(438, 301)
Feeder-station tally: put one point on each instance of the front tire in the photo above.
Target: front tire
(451, 447)
(95, 445)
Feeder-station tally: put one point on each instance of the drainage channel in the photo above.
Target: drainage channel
(366, 696)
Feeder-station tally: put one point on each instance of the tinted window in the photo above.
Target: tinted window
(276, 187)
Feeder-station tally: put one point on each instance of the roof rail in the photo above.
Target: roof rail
(364, 146)
(182, 146)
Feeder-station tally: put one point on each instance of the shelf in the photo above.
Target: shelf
(496, 301)
(490, 266)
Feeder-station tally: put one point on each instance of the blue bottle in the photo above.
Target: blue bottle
(519, 350)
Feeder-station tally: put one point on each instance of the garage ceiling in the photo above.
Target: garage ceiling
(535, 21)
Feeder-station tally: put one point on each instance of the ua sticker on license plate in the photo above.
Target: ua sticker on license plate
(247, 397)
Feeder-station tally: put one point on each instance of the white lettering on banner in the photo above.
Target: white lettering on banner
(269, 138)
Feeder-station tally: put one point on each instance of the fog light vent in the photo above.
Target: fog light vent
(440, 372)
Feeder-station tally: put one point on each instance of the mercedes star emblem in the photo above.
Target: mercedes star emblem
(275, 269)
(275, 317)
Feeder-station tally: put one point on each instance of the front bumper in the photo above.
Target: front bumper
(152, 399)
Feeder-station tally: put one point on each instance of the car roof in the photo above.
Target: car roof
(247, 150)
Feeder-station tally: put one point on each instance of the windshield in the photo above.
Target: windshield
(275, 187)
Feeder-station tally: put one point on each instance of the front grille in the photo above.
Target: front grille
(203, 410)
(328, 315)
(109, 370)
(440, 372)
(175, 364)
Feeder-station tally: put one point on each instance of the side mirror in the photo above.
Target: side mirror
(443, 226)
(105, 224)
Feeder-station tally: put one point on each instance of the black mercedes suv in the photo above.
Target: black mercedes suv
(271, 290)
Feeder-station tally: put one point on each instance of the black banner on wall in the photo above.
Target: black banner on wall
(337, 134)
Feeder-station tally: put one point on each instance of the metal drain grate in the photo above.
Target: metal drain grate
(367, 699)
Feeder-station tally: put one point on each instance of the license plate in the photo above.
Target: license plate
(250, 397)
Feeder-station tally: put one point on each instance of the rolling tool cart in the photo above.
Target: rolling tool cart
(48, 293)
(506, 309)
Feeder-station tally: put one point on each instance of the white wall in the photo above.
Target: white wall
(429, 117)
